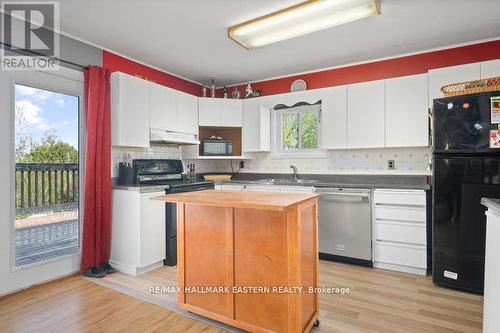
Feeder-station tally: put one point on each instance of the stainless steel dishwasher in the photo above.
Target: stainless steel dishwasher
(345, 225)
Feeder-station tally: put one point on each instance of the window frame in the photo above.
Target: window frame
(277, 136)
(42, 80)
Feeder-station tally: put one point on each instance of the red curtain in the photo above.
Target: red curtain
(97, 204)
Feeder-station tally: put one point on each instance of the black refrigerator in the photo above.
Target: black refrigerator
(466, 167)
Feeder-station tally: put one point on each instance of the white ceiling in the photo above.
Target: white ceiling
(189, 37)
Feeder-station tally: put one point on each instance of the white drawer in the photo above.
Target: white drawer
(261, 188)
(400, 197)
(231, 187)
(403, 232)
(400, 213)
(297, 189)
(400, 254)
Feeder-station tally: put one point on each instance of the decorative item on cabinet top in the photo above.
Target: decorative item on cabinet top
(144, 78)
(236, 93)
(212, 89)
(250, 92)
(298, 85)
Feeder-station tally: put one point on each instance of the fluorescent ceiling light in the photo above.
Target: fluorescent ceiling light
(301, 19)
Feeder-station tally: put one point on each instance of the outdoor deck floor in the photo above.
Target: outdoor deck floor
(45, 237)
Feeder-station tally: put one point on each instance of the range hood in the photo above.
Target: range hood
(158, 137)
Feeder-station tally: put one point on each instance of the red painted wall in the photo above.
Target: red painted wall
(115, 63)
(378, 70)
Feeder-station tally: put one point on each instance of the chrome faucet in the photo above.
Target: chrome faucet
(295, 172)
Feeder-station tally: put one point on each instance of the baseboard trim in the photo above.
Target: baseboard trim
(149, 268)
(400, 268)
(134, 271)
(347, 260)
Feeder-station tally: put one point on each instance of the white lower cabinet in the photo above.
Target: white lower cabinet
(400, 257)
(261, 188)
(137, 231)
(230, 187)
(297, 189)
(400, 230)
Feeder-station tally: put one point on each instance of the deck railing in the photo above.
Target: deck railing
(46, 187)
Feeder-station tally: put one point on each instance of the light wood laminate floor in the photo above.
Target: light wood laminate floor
(75, 304)
(380, 301)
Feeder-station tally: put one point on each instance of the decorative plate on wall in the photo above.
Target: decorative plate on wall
(298, 85)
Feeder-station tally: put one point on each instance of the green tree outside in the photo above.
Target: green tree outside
(300, 130)
(50, 150)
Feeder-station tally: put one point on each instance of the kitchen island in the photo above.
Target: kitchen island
(248, 259)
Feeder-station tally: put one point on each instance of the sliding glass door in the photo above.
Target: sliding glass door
(40, 207)
(46, 174)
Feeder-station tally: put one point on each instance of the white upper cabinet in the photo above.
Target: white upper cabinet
(490, 69)
(334, 118)
(187, 113)
(162, 107)
(220, 112)
(406, 111)
(366, 115)
(231, 113)
(256, 125)
(129, 111)
(455, 74)
(209, 111)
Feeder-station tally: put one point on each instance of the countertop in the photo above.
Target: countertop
(141, 189)
(349, 181)
(343, 181)
(492, 204)
(257, 200)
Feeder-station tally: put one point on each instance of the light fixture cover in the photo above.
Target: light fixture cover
(301, 19)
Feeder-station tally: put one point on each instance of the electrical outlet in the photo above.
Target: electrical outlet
(391, 165)
(242, 164)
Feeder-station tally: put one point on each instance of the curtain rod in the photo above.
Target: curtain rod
(29, 52)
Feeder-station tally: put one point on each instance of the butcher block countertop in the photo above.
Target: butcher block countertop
(257, 200)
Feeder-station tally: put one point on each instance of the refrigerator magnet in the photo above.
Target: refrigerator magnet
(495, 109)
(494, 139)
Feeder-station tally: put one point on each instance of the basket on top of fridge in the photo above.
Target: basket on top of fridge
(471, 87)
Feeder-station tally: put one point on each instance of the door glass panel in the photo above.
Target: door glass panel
(46, 175)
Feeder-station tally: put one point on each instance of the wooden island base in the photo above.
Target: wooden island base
(256, 248)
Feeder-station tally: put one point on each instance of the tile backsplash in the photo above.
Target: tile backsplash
(407, 161)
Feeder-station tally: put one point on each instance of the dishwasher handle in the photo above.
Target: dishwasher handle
(345, 197)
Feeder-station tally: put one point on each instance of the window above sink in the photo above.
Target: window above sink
(297, 131)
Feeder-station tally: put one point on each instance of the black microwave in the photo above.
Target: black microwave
(217, 148)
